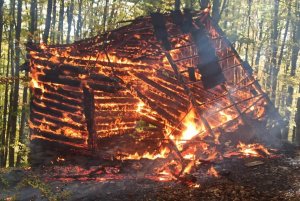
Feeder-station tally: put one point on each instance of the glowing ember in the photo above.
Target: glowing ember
(213, 172)
(254, 150)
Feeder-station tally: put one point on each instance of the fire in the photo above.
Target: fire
(253, 150)
(191, 130)
(136, 156)
(140, 106)
(213, 172)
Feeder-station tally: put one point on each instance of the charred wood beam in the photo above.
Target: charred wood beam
(53, 136)
(89, 110)
(58, 106)
(63, 99)
(120, 100)
(154, 106)
(55, 120)
(160, 88)
(104, 88)
(73, 93)
(57, 80)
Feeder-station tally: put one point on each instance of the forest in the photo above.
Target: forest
(266, 33)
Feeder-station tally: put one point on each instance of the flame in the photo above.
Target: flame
(253, 150)
(212, 172)
(140, 106)
(163, 153)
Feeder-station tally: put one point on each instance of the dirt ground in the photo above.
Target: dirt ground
(239, 179)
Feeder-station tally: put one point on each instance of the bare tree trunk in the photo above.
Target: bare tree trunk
(285, 34)
(60, 37)
(12, 73)
(112, 14)
(248, 29)
(3, 133)
(274, 44)
(79, 21)
(33, 24)
(297, 120)
(70, 19)
(22, 135)
(295, 39)
(1, 25)
(177, 4)
(105, 14)
(13, 135)
(216, 10)
(203, 4)
(48, 22)
(53, 30)
(260, 38)
(91, 18)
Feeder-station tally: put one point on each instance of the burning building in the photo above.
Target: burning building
(165, 86)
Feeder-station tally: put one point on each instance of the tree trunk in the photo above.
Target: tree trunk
(79, 21)
(12, 73)
(295, 39)
(13, 135)
(48, 22)
(105, 14)
(32, 25)
(3, 133)
(203, 4)
(274, 44)
(60, 37)
(70, 19)
(52, 37)
(297, 120)
(177, 4)
(112, 14)
(1, 25)
(216, 10)
(285, 35)
(248, 29)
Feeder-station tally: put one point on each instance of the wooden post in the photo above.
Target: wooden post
(89, 110)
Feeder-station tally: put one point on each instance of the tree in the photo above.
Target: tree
(47, 22)
(13, 135)
(52, 37)
(70, 19)
(295, 40)
(79, 21)
(60, 35)
(1, 25)
(177, 4)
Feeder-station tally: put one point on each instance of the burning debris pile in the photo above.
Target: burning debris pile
(166, 87)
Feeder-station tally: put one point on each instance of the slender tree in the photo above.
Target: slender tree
(60, 35)
(177, 4)
(295, 40)
(79, 21)
(3, 133)
(12, 73)
(70, 19)
(13, 135)
(53, 27)
(47, 22)
(216, 10)
(105, 14)
(287, 24)
(248, 29)
(274, 46)
(1, 25)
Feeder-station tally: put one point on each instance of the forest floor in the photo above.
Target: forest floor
(239, 179)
